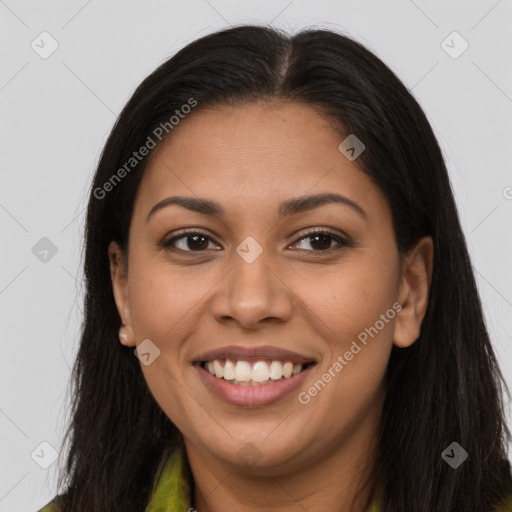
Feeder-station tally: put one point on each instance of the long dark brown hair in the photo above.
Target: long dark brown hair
(446, 387)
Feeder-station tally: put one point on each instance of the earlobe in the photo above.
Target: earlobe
(119, 281)
(413, 294)
(124, 337)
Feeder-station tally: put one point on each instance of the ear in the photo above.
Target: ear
(119, 277)
(413, 292)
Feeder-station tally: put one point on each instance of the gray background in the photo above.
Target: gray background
(56, 114)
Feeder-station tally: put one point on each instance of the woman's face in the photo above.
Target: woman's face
(251, 283)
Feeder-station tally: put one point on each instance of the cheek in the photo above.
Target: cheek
(354, 308)
(163, 300)
(165, 306)
(350, 299)
(348, 386)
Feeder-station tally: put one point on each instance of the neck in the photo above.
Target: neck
(338, 478)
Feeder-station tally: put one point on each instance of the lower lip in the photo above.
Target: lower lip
(252, 396)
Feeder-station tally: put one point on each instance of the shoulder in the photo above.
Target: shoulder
(171, 488)
(50, 507)
(505, 505)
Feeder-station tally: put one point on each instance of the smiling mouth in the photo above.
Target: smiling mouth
(253, 373)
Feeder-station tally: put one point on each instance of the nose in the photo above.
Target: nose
(252, 294)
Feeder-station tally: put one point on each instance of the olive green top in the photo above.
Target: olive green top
(172, 492)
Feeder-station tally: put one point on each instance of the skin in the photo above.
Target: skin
(249, 159)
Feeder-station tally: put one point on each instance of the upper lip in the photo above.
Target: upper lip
(240, 353)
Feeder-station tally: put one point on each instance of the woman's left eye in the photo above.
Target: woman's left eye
(320, 240)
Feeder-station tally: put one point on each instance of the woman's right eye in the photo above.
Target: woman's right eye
(190, 241)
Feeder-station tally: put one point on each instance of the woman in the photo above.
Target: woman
(272, 232)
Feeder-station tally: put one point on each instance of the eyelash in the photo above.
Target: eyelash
(343, 242)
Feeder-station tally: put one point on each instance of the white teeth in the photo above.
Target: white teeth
(276, 370)
(229, 370)
(260, 371)
(219, 371)
(287, 369)
(245, 373)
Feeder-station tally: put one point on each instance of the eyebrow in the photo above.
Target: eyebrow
(287, 208)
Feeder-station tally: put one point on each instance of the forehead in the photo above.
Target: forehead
(252, 156)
